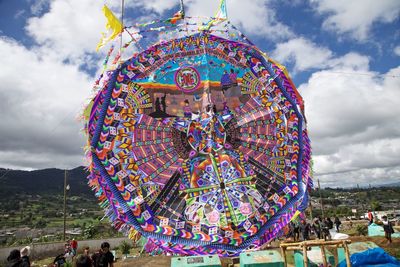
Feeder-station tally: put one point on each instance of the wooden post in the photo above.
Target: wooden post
(335, 255)
(65, 201)
(283, 251)
(347, 253)
(323, 255)
(302, 246)
(320, 199)
(305, 258)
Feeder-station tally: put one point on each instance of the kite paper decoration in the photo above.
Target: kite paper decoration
(199, 143)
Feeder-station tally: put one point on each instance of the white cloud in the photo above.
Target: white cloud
(397, 50)
(41, 98)
(353, 120)
(355, 18)
(252, 17)
(157, 6)
(303, 53)
(70, 30)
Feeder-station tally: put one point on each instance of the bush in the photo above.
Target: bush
(125, 247)
(362, 229)
(41, 223)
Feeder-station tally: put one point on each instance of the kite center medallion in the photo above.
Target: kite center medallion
(187, 79)
(206, 134)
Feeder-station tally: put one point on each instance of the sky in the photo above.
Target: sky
(343, 56)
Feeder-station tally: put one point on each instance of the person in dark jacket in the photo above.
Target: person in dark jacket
(103, 258)
(329, 223)
(14, 259)
(25, 251)
(388, 228)
(83, 261)
(305, 229)
(337, 223)
(317, 228)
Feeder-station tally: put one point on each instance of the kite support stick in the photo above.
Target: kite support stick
(122, 22)
(283, 251)
(323, 255)
(347, 253)
(305, 259)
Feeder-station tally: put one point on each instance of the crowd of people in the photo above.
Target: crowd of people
(101, 258)
(19, 258)
(301, 230)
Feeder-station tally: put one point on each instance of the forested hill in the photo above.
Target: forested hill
(43, 182)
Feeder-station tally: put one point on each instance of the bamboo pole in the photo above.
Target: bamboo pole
(305, 258)
(283, 251)
(347, 253)
(65, 203)
(335, 255)
(320, 199)
(294, 248)
(323, 255)
(302, 246)
(316, 243)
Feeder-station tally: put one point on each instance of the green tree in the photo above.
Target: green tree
(125, 247)
(41, 223)
(89, 231)
(376, 205)
(362, 229)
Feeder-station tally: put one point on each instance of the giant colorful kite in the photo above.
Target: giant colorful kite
(199, 143)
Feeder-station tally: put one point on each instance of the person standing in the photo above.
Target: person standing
(370, 217)
(305, 228)
(296, 231)
(225, 82)
(325, 229)
(74, 246)
(25, 251)
(14, 259)
(164, 103)
(233, 78)
(157, 104)
(187, 110)
(83, 261)
(329, 223)
(86, 252)
(103, 258)
(317, 228)
(388, 228)
(337, 223)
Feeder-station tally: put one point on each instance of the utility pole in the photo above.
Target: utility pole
(320, 199)
(65, 201)
(311, 214)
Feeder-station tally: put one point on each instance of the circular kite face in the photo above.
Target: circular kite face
(187, 79)
(200, 145)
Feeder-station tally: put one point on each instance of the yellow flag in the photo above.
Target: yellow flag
(296, 214)
(113, 24)
(88, 110)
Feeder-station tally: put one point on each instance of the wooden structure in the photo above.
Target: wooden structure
(303, 246)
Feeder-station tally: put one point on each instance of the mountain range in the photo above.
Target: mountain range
(51, 181)
(42, 182)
